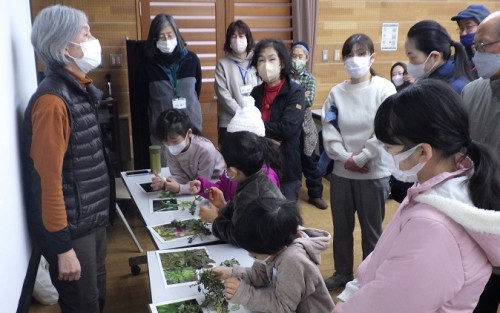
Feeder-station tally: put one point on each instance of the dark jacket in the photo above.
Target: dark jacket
(285, 125)
(446, 73)
(174, 76)
(87, 181)
(254, 187)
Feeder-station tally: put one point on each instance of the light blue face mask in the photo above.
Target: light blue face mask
(487, 64)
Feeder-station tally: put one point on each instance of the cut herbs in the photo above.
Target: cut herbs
(169, 202)
(191, 228)
(181, 266)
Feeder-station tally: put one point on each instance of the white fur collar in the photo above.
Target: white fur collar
(470, 217)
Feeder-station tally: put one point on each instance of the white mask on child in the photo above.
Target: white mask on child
(411, 174)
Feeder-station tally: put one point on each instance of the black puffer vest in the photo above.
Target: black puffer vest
(87, 180)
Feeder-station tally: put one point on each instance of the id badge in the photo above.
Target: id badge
(246, 90)
(179, 103)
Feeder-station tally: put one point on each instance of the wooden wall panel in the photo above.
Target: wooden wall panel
(337, 20)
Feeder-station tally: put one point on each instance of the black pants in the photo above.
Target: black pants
(314, 182)
(490, 298)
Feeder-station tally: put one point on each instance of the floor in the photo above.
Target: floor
(128, 293)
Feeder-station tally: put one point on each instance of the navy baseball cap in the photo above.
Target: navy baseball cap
(474, 11)
(301, 43)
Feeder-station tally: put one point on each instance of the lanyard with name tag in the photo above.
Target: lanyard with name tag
(179, 103)
(246, 89)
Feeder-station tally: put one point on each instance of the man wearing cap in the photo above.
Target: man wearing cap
(482, 102)
(468, 20)
(309, 139)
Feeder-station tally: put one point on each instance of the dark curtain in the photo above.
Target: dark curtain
(138, 103)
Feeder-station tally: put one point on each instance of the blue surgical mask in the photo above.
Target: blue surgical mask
(487, 64)
(467, 40)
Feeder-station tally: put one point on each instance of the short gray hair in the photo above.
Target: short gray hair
(53, 29)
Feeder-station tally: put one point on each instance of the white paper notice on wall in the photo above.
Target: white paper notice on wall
(389, 40)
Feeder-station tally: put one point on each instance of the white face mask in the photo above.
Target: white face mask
(417, 71)
(91, 55)
(398, 80)
(411, 174)
(298, 64)
(177, 149)
(487, 64)
(357, 67)
(167, 46)
(269, 72)
(239, 45)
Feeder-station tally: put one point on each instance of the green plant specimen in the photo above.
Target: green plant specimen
(178, 229)
(181, 266)
(188, 306)
(214, 294)
(230, 263)
(172, 203)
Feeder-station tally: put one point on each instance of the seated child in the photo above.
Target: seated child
(285, 276)
(247, 118)
(244, 155)
(188, 154)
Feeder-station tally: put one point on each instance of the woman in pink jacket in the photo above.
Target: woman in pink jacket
(436, 254)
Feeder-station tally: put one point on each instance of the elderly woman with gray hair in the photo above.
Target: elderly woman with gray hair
(69, 185)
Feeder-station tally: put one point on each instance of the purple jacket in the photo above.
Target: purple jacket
(228, 187)
(436, 254)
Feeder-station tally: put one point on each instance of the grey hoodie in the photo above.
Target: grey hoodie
(296, 284)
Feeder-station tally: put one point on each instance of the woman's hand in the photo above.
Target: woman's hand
(223, 272)
(232, 284)
(350, 165)
(208, 213)
(216, 196)
(194, 187)
(158, 182)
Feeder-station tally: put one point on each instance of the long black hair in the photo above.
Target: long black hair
(431, 112)
(157, 24)
(429, 35)
(242, 28)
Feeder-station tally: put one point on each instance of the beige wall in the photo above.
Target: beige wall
(337, 20)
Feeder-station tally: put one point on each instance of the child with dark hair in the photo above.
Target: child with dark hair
(285, 276)
(439, 236)
(188, 154)
(247, 118)
(244, 154)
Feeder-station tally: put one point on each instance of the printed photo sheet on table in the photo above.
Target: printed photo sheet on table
(161, 291)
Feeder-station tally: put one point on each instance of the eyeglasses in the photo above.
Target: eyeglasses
(164, 37)
(480, 46)
(467, 29)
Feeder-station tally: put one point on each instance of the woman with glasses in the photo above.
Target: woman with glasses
(429, 49)
(173, 75)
